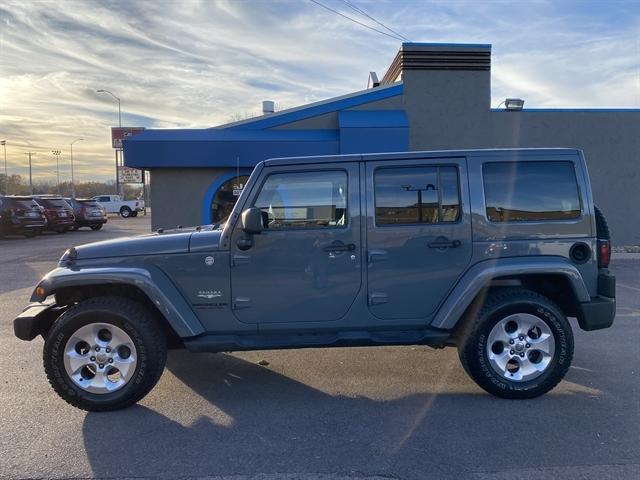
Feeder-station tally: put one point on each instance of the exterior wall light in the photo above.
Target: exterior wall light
(515, 104)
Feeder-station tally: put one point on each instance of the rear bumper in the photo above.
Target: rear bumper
(35, 320)
(601, 310)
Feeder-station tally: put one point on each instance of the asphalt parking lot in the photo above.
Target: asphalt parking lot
(359, 413)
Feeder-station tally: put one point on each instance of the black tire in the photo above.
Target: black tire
(602, 228)
(30, 233)
(75, 228)
(134, 214)
(472, 343)
(61, 230)
(96, 227)
(125, 212)
(137, 322)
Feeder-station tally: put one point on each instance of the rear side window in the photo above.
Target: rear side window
(410, 195)
(530, 191)
(304, 200)
(53, 203)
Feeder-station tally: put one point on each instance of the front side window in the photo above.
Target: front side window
(416, 195)
(530, 191)
(304, 199)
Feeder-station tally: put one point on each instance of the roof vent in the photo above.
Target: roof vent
(268, 106)
(373, 81)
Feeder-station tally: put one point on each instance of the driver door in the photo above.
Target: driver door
(305, 266)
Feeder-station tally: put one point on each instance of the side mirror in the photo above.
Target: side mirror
(251, 221)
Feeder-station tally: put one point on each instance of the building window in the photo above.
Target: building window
(416, 195)
(305, 199)
(226, 198)
(530, 191)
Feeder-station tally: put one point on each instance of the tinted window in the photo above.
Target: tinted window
(530, 191)
(411, 195)
(305, 199)
(53, 203)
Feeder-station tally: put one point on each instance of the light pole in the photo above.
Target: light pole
(119, 125)
(57, 153)
(118, 100)
(30, 177)
(73, 183)
(410, 188)
(6, 175)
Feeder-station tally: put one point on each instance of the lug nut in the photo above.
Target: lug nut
(528, 345)
(101, 365)
(511, 342)
(522, 354)
(108, 350)
(520, 337)
(93, 359)
(97, 349)
(511, 352)
(111, 360)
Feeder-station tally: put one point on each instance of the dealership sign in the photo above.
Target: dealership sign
(118, 134)
(129, 175)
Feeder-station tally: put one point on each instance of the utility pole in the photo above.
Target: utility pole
(30, 176)
(73, 183)
(57, 155)
(6, 175)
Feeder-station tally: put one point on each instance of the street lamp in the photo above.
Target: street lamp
(6, 175)
(118, 100)
(119, 125)
(57, 153)
(73, 183)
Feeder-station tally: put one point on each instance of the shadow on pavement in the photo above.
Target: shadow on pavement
(269, 423)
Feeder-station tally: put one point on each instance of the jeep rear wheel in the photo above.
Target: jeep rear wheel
(519, 345)
(105, 353)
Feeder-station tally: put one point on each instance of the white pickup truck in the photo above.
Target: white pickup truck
(115, 204)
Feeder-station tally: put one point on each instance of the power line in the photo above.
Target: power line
(362, 12)
(356, 21)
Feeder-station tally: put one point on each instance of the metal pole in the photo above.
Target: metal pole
(30, 176)
(119, 116)
(73, 181)
(57, 155)
(119, 125)
(6, 175)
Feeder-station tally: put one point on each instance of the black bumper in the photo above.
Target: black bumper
(35, 320)
(601, 310)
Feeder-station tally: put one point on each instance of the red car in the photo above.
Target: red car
(60, 217)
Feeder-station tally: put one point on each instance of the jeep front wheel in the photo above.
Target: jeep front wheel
(105, 353)
(519, 345)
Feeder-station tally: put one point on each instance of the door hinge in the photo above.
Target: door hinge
(376, 255)
(241, 302)
(241, 259)
(378, 298)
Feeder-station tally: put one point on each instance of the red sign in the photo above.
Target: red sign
(118, 134)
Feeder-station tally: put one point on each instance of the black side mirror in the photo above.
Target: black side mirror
(251, 220)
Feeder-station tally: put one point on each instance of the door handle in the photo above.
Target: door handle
(338, 246)
(444, 243)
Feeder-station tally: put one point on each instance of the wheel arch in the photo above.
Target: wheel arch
(553, 277)
(148, 286)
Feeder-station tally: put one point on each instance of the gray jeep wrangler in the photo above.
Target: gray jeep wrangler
(486, 250)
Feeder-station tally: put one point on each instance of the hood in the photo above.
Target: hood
(160, 243)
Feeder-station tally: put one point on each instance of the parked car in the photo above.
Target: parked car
(486, 250)
(88, 213)
(60, 217)
(115, 204)
(20, 216)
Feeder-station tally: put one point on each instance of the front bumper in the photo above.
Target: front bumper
(601, 310)
(35, 320)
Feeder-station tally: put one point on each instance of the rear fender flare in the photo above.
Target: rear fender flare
(481, 274)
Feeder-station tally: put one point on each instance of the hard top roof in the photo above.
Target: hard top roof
(368, 157)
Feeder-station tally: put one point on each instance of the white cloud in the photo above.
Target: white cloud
(181, 64)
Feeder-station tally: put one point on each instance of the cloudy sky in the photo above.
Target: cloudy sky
(182, 63)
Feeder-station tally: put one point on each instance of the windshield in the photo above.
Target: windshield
(53, 203)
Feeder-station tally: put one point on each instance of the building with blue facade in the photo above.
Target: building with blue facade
(433, 97)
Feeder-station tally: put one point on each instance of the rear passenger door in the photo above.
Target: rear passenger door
(418, 234)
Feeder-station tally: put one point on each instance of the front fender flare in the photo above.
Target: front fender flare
(479, 276)
(151, 280)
